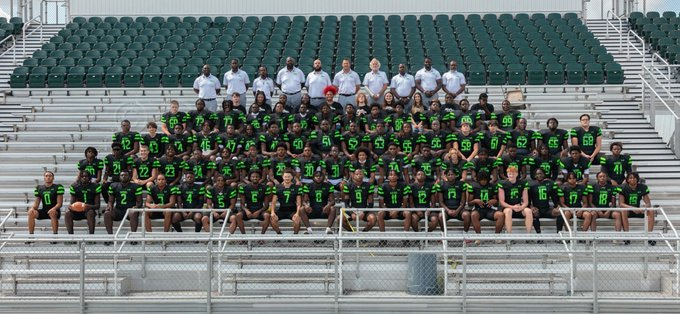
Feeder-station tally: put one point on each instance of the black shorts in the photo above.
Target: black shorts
(517, 214)
(545, 213)
(387, 216)
(79, 215)
(42, 214)
(156, 215)
(286, 213)
(117, 214)
(636, 215)
(459, 216)
(317, 213)
(486, 212)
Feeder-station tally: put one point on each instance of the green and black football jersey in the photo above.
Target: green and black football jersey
(145, 167)
(163, 196)
(48, 194)
(603, 195)
(254, 195)
(587, 140)
(221, 197)
(358, 194)
(125, 196)
(86, 193)
(633, 197)
(191, 196)
(394, 197)
(318, 194)
(452, 193)
(542, 193)
(512, 191)
(91, 167)
(127, 141)
(573, 195)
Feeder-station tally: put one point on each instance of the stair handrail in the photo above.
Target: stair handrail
(12, 48)
(650, 83)
(666, 76)
(618, 30)
(34, 21)
(629, 43)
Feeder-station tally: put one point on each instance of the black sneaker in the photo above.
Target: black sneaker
(108, 243)
(652, 242)
(134, 243)
(626, 242)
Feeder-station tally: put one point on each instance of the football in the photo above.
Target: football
(78, 207)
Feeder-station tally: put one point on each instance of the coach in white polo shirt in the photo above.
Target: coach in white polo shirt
(453, 82)
(428, 82)
(265, 84)
(403, 86)
(316, 81)
(348, 83)
(207, 86)
(376, 83)
(290, 80)
(236, 81)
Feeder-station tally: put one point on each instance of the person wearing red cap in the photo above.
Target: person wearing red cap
(330, 92)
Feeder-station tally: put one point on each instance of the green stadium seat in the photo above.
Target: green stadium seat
(114, 76)
(476, 74)
(75, 77)
(170, 76)
(594, 73)
(575, 75)
(516, 74)
(19, 77)
(614, 73)
(535, 74)
(133, 76)
(496, 74)
(95, 76)
(554, 74)
(151, 77)
(189, 74)
(56, 77)
(37, 77)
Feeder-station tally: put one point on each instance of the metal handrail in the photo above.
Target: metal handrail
(10, 213)
(34, 21)
(619, 30)
(644, 82)
(14, 51)
(630, 44)
(666, 76)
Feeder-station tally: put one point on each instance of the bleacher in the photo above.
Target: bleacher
(490, 49)
(56, 128)
(661, 31)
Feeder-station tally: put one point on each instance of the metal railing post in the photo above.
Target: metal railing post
(208, 279)
(337, 276)
(596, 306)
(82, 277)
(464, 292)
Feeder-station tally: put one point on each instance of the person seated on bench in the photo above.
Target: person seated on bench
(88, 192)
(451, 195)
(631, 195)
(318, 202)
(255, 200)
(359, 194)
(589, 138)
(223, 196)
(394, 195)
(160, 195)
(122, 196)
(541, 192)
(602, 195)
(289, 197)
(483, 195)
(574, 195)
(514, 199)
(191, 196)
(422, 195)
(51, 196)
